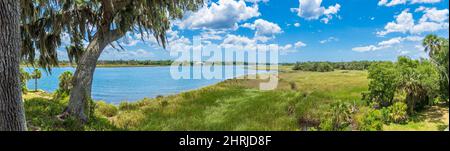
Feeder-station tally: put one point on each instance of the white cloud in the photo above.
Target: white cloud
(238, 40)
(224, 14)
(398, 2)
(312, 10)
(388, 43)
(329, 39)
(285, 47)
(435, 15)
(299, 44)
(297, 24)
(212, 34)
(264, 30)
(367, 48)
(431, 21)
(252, 44)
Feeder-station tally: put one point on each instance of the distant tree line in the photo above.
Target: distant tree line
(331, 66)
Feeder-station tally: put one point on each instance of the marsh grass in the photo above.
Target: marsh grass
(235, 104)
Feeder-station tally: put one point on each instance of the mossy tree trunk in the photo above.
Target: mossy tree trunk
(80, 94)
(12, 116)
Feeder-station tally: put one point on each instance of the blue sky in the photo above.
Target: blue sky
(305, 30)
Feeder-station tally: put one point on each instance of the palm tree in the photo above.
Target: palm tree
(438, 52)
(36, 75)
(432, 44)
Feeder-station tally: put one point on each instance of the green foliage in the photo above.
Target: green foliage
(24, 77)
(383, 83)
(65, 85)
(354, 65)
(419, 81)
(330, 66)
(438, 51)
(314, 66)
(44, 22)
(42, 116)
(338, 119)
(370, 120)
(413, 78)
(398, 112)
(104, 109)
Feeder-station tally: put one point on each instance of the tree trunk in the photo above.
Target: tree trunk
(80, 94)
(35, 85)
(12, 116)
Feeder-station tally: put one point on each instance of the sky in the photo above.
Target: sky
(304, 30)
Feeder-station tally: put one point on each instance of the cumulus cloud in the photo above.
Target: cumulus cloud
(431, 21)
(312, 10)
(224, 14)
(387, 43)
(297, 24)
(398, 2)
(329, 39)
(212, 34)
(299, 44)
(264, 30)
(246, 43)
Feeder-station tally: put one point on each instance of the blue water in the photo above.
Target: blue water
(115, 85)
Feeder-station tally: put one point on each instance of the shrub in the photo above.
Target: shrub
(64, 86)
(398, 112)
(105, 109)
(338, 119)
(383, 83)
(370, 120)
(24, 77)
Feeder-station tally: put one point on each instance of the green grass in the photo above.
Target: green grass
(41, 114)
(235, 104)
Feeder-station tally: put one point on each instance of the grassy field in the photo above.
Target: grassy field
(300, 101)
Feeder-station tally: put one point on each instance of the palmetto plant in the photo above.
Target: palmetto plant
(98, 23)
(36, 74)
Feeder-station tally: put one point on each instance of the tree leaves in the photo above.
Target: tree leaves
(44, 21)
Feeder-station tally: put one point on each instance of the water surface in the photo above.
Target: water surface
(114, 85)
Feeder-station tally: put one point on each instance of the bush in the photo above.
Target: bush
(370, 120)
(65, 85)
(383, 83)
(105, 109)
(338, 119)
(398, 112)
